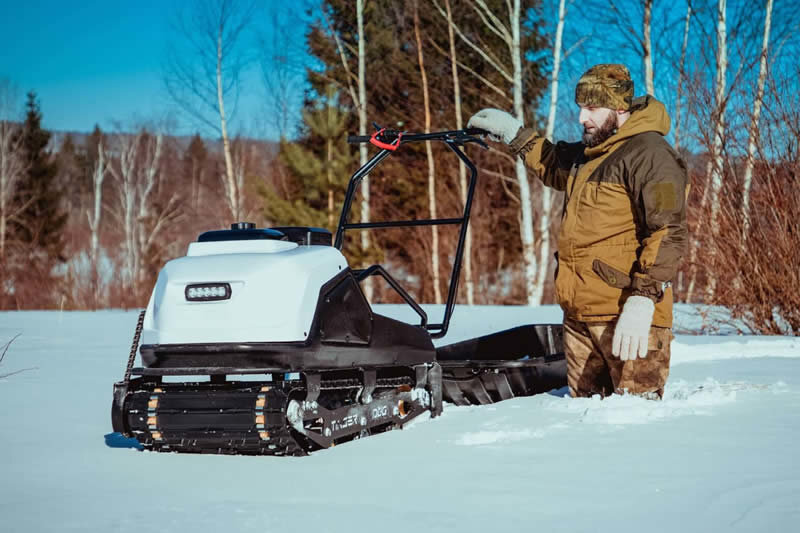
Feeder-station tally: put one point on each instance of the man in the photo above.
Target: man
(623, 231)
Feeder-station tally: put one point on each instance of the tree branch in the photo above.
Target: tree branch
(475, 47)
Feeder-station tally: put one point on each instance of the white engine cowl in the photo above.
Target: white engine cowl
(274, 288)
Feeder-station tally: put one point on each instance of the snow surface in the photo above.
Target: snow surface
(719, 453)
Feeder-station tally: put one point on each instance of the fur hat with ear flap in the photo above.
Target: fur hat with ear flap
(606, 85)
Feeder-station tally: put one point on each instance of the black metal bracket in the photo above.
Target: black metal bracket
(378, 270)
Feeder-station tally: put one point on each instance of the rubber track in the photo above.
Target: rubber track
(476, 385)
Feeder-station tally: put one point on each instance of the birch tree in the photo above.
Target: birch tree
(647, 48)
(429, 153)
(716, 157)
(138, 176)
(508, 31)
(358, 95)
(362, 130)
(547, 194)
(12, 162)
(638, 39)
(155, 209)
(682, 74)
(93, 216)
(203, 76)
(283, 60)
(124, 173)
(757, 103)
(462, 169)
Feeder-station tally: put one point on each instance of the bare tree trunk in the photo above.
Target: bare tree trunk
(557, 45)
(716, 162)
(329, 178)
(98, 176)
(362, 130)
(200, 75)
(647, 52)
(510, 34)
(241, 164)
(547, 194)
(682, 75)
(12, 164)
(679, 90)
(462, 169)
(717, 157)
(128, 148)
(230, 184)
(146, 185)
(533, 292)
(429, 151)
(751, 144)
(719, 100)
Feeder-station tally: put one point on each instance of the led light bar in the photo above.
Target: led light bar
(208, 292)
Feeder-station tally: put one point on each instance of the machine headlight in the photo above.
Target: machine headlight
(208, 292)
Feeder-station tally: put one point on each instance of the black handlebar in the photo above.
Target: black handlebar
(456, 136)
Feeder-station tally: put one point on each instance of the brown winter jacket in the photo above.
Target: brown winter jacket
(623, 227)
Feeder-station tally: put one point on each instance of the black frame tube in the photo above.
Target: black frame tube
(378, 270)
(454, 140)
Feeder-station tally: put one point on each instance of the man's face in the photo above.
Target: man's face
(599, 123)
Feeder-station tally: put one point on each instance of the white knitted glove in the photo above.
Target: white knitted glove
(500, 125)
(633, 328)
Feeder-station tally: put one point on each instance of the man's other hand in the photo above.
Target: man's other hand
(633, 328)
(500, 125)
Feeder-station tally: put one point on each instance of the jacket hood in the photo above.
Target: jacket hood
(647, 114)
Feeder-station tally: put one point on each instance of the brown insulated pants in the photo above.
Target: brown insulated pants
(593, 369)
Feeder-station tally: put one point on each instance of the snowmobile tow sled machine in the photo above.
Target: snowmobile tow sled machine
(260, 341)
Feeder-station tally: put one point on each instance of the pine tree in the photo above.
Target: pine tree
(320, 166)
(37, 230)
(399, 186)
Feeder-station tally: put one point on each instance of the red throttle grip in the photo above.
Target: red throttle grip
(392, 147)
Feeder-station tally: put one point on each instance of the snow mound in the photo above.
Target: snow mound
(690, 348)
(681, 399)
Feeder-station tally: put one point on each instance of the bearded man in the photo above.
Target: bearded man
(623, 231)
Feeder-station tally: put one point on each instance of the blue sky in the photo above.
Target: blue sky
(94, 62)
(89, 62)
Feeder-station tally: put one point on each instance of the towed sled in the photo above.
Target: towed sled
(260, 341)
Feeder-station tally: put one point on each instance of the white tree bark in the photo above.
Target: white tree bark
(462, 169)
(12, 167)
(138, 176)
(124, 173)
(682, 75)
(754, 134)
(12, 162)
(719, 105)
(510, 34)
(94, 216)
(243, 161)
(716, 161)
(717, 157)
(150, 172)
(647, 48)
(557, 49)
(431, 169)
(533, 291)
(547, 194)
(203, 72)
(232, 191)
(362, 130)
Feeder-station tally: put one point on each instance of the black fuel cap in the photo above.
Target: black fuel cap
(243, 225)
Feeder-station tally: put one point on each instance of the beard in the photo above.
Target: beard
(599, 135)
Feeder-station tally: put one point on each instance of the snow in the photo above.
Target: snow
(719, 453)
